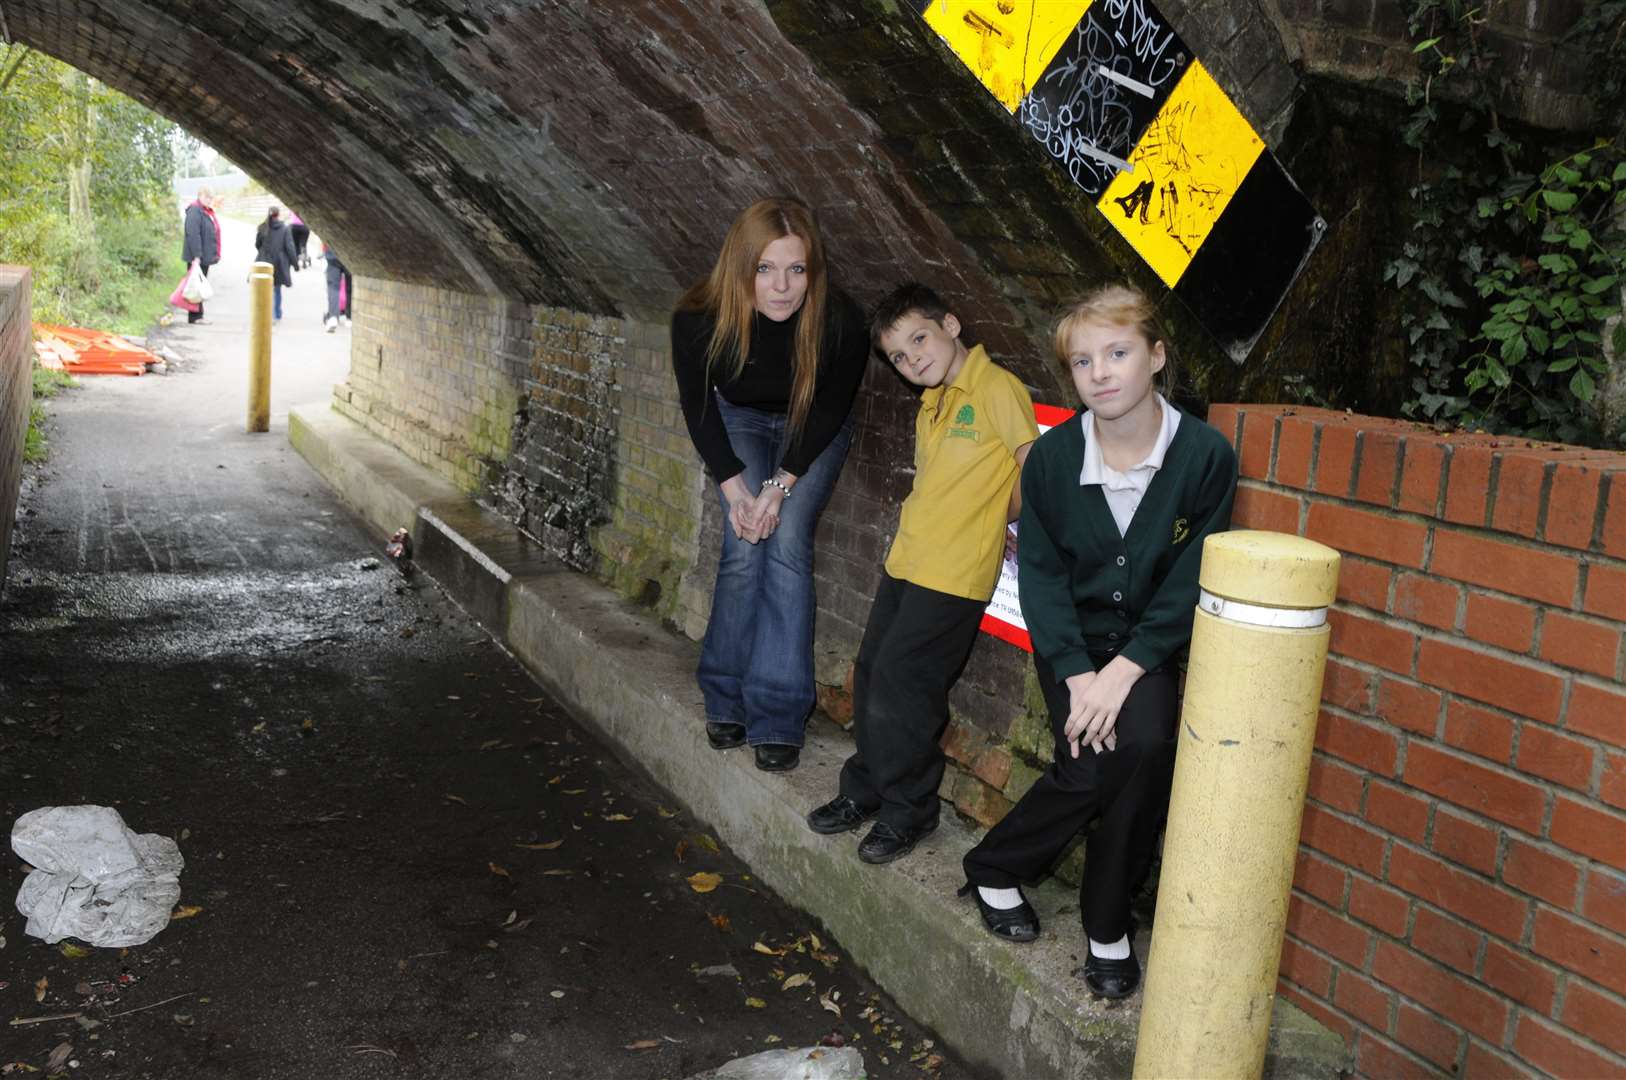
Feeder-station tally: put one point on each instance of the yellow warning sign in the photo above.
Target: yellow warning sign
(1188, 164)
(1006, 43)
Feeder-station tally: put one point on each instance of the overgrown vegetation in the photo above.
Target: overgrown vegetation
(47, 384)
(85, 180)
(1516, 256)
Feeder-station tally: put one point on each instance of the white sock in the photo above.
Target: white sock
(1003, 899)
(1118, 950)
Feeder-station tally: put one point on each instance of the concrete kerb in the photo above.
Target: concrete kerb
(1014, 1011)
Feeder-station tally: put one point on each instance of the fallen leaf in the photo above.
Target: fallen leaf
(798, 979)
(558, 873)
(573, 791)
(755, 1003)
(185, 911)
(512, 915)
(499, 871)
(456, 799)
(932, 1063)
(708, 843)
(72, 951)
(705, 881)
(664, 812)
(453, 697)
(39, 988)
(522, 924)
(549, 846)
(765, 950)
(617, 817)
(491, 744)
(643, 1044)
(721, 922)
(813, 939)
(828, 1002)
(681, 850)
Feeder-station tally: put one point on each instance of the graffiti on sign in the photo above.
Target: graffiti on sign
(1115, 97)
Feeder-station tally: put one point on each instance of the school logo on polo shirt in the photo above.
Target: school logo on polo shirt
(963, 427)
(1182, 530)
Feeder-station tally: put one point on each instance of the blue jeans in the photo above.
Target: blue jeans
(756, 663)
(276, 300)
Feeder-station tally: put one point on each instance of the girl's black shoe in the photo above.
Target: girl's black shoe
(1111, 978)
(1020, 923)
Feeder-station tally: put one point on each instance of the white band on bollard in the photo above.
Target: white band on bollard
(1255, 615)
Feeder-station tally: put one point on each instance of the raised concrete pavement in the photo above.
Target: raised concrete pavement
(1014, 1010)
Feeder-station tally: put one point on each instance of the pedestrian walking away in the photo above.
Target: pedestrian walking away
(274, 244)
(972, 434)
(301, 233)
(1116, 505)
(200, 242)
(337, 276)
(768, 357)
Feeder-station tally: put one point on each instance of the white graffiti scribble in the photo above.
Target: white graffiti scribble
(1077, 111)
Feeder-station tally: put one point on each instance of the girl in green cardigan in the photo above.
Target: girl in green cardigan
(1115, 507)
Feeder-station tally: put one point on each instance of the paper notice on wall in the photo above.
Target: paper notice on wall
(1003, 615)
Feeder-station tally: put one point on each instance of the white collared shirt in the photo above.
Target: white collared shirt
(1124, 490)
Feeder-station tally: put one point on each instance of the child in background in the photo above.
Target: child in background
(1115, 507)
(971, 436)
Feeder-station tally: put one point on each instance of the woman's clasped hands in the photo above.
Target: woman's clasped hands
(753, 517)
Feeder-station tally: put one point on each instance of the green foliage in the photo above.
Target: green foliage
(1515, 257)
(113, 268)
(47, 383)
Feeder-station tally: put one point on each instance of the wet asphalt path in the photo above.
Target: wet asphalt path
(409, 861)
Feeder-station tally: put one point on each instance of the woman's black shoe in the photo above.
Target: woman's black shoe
(778, 757)
(724, 735)
(1111, 978)
(1020, 923)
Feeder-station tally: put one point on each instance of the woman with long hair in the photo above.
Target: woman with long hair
(768, 358)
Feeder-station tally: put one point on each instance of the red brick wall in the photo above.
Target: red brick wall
(16, 393)
(1460, 902)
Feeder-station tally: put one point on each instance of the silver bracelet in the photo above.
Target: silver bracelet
(778, 485)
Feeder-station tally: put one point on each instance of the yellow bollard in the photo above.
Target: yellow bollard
(1247, 726)
(259, 347)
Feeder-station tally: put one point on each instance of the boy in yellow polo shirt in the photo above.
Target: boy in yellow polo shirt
(971, 436)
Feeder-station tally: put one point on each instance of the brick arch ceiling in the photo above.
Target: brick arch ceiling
(587, 155)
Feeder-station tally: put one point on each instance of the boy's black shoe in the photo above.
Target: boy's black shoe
(885, 843)
(839, 815)
(1020, 923)
(778, 757)
(724, 735)
(1111, 978)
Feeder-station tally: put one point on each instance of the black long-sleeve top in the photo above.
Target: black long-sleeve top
(765, 382)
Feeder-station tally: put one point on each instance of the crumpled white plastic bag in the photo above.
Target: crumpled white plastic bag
(93, 878)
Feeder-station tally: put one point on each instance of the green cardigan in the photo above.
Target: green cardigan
(1084, 588)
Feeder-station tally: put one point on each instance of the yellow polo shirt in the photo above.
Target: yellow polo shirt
(951, 534)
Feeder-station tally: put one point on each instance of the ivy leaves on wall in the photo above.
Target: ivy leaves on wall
(1515, 257)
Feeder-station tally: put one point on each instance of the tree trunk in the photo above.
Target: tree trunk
(81, 139)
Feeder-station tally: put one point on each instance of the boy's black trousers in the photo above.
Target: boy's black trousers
(1125, 790)
(915, 644)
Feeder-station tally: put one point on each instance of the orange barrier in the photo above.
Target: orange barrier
(89, 352)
